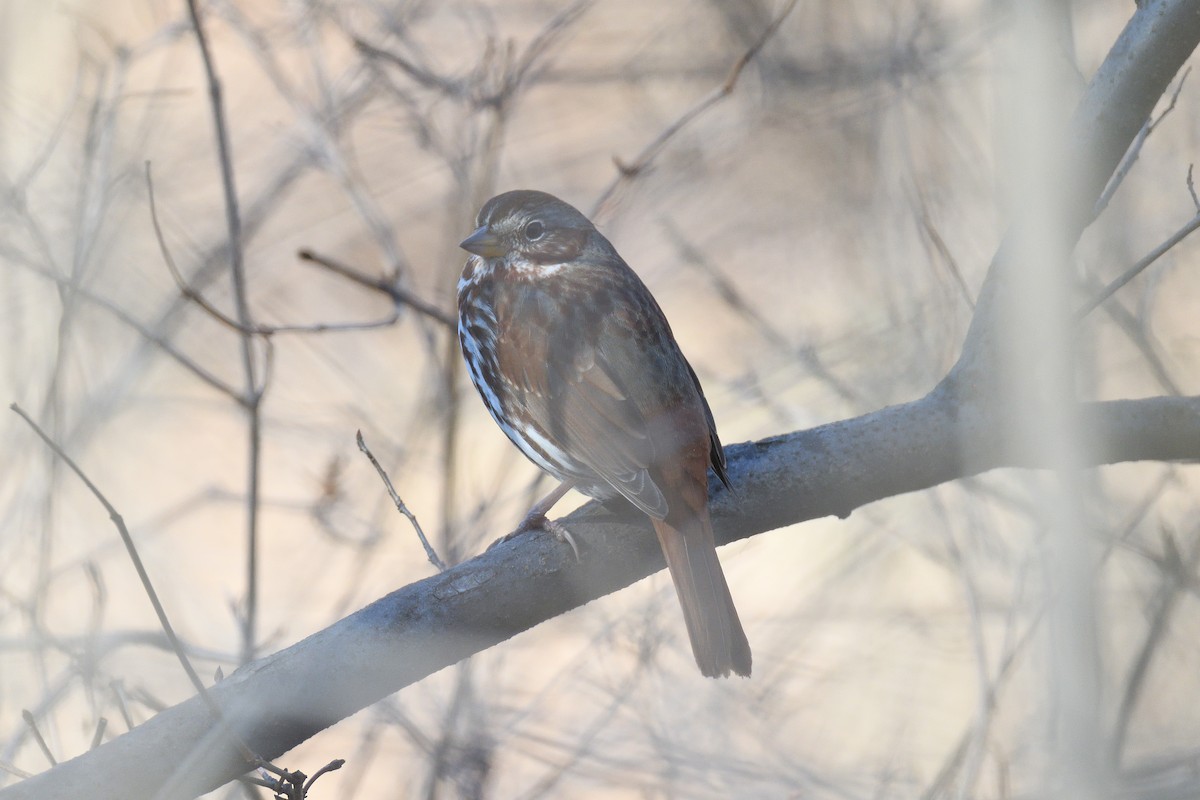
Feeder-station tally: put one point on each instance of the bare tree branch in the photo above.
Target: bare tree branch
(399, 296)
(279, 701)
(144, 577)
(1125, 277)
(628, 170)
(254, 391)
(430, 553)
(1151, 49)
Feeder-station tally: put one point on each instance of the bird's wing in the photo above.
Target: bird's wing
(603, 387)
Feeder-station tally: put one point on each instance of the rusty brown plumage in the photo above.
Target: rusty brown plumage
(577, 364)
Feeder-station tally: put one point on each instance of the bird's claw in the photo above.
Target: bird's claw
(561, 533)
(542, 522)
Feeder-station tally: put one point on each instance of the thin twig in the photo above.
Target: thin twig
(125, 317)
(1135, 149)
(941, 782)
(288, 784)
(400, 506)
(254, 393)
(1178, 572)
(225, 158)
(187, 291)
(320, 133)
(939, 244)
(1141, 265)
(118, 690)
(628, 170)
(246, 330)
(1132, 326)
(976, 744)
(98, 736)
(336, 764)
(42, 157)
(540, 45)
(512, 78)
(423, 76)
(332, 327)
(144, 577)
(27, 715)
(264, 201)
(398, 295)
(751, 312)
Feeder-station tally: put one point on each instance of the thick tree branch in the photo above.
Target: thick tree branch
(1120, 97)
(279, 701)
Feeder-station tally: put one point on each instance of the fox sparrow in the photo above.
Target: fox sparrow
(577, 364)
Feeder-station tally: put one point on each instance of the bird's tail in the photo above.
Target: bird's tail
(718, 641)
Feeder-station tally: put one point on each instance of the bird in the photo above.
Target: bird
(576, 363)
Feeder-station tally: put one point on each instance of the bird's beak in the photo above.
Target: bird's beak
(483, 243)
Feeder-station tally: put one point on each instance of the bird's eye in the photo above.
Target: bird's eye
(535, 230)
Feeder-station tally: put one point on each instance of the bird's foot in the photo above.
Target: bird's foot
(560, 532)
(537, 520)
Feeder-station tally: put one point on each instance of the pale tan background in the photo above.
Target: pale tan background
(857, 164)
